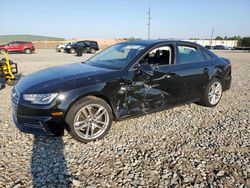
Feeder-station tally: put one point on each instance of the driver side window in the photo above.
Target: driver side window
(159, 56)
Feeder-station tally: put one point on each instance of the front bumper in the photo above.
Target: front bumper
(39, 125)
(35, 121)
(67, 50)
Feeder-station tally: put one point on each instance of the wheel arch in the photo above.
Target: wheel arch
(221, 78)
(26, 49)
(91, 95)
(4, 49)
(218, 77)
(217, 73)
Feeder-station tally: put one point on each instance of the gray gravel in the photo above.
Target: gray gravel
(187, 146)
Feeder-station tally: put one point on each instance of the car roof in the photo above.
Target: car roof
(19, 41)
(86, 41)
(158, 42)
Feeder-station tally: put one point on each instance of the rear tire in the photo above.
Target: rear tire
(61, 50)
(3, 51)
(27, 51)
(92, 51)
(212, 93)
(89, 119)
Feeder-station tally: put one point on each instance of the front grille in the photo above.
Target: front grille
(14, 102)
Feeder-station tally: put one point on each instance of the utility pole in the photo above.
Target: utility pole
(149, 24)
(211, 38)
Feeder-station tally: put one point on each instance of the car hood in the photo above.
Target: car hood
(61, 78)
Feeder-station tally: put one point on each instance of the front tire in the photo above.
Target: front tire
(72, 51)
(89, 119)
(61, 50)
(212, 93)
(92, 51)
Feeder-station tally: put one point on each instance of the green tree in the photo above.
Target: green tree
(218, 38)
(234, 38)
(245, 42)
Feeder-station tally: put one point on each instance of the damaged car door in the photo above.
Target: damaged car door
(152, 85)
(193, 72)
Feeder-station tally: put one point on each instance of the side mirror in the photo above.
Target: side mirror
(146, 69)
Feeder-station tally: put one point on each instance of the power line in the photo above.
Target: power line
(212, 37)
(149, 24)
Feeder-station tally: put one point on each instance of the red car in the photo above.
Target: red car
(18, 46)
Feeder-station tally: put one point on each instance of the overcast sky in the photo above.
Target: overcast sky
(118, 19)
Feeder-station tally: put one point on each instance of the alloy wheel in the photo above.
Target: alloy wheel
(27, 51)
(215, 92)
(2, 51)
(91, 121)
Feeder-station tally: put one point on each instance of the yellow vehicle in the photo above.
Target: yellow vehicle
(8, 70)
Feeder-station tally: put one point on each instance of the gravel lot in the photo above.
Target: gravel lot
(187, 146)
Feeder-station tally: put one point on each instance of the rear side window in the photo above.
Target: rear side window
(206, 55)
(189, 54)
(90, 43)
(22, 42)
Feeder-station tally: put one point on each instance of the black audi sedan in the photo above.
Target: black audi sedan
(125, 80)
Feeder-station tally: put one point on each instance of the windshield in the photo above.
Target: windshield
(116, 57)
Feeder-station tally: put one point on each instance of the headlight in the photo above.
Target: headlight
(40, 98)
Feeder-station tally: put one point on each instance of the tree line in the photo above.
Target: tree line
(243, 41)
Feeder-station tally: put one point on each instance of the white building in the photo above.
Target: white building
(207, 42)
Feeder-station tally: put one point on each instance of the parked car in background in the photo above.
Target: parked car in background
(219, 47)
(126, 80)
(61, 47)
(229, 48)
(209, 47)
(86, 46)
(18, 46)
